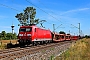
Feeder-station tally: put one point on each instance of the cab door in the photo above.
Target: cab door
(35, 34)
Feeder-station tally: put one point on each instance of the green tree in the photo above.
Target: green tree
(9, 36)
(3, 33)
(86, 36)
(28, 17)
(62, 32)
(14, 36)
(21, 18)
(0, 36)
(30, 13)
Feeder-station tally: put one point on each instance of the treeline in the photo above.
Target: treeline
(7, 36)
(87, 36)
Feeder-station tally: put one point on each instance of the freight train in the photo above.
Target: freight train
(36, 35)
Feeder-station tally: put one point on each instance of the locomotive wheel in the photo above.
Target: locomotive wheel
(51, 41)
(34, 43)
(46, 42)
(27, 43)
(41, 42)
(21, 44)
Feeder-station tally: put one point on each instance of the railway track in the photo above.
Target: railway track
(13, 53)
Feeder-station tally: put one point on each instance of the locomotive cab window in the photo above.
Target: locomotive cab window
(28, 29)
(22, 30)
(25, 29)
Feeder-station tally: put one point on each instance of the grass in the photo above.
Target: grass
(79, 51)
(3, 43)
(8, 41)
(2, 47)
(51, 57)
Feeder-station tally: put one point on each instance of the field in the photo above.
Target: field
(3, 43)
(78, 51)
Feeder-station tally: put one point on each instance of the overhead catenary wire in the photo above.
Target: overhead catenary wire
(14, 9)
(52, 12)
(20, 11)
(32, 4)
(9, 7)
(43, 11)
(46, 7)
(46, 21)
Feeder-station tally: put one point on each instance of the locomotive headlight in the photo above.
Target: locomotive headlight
(20, 34)
(28, 34)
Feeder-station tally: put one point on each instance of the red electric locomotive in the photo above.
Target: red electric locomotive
(33, 35)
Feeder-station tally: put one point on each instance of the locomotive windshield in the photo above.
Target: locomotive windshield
(25, 29)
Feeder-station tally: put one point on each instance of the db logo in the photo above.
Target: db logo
(25, 34)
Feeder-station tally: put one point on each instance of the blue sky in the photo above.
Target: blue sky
(65, 12)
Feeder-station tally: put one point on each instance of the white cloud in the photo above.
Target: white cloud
(76, 10)
(71, 18)
(52, 17)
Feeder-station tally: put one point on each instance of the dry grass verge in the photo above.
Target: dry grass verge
(3, 43)
(79, 51)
